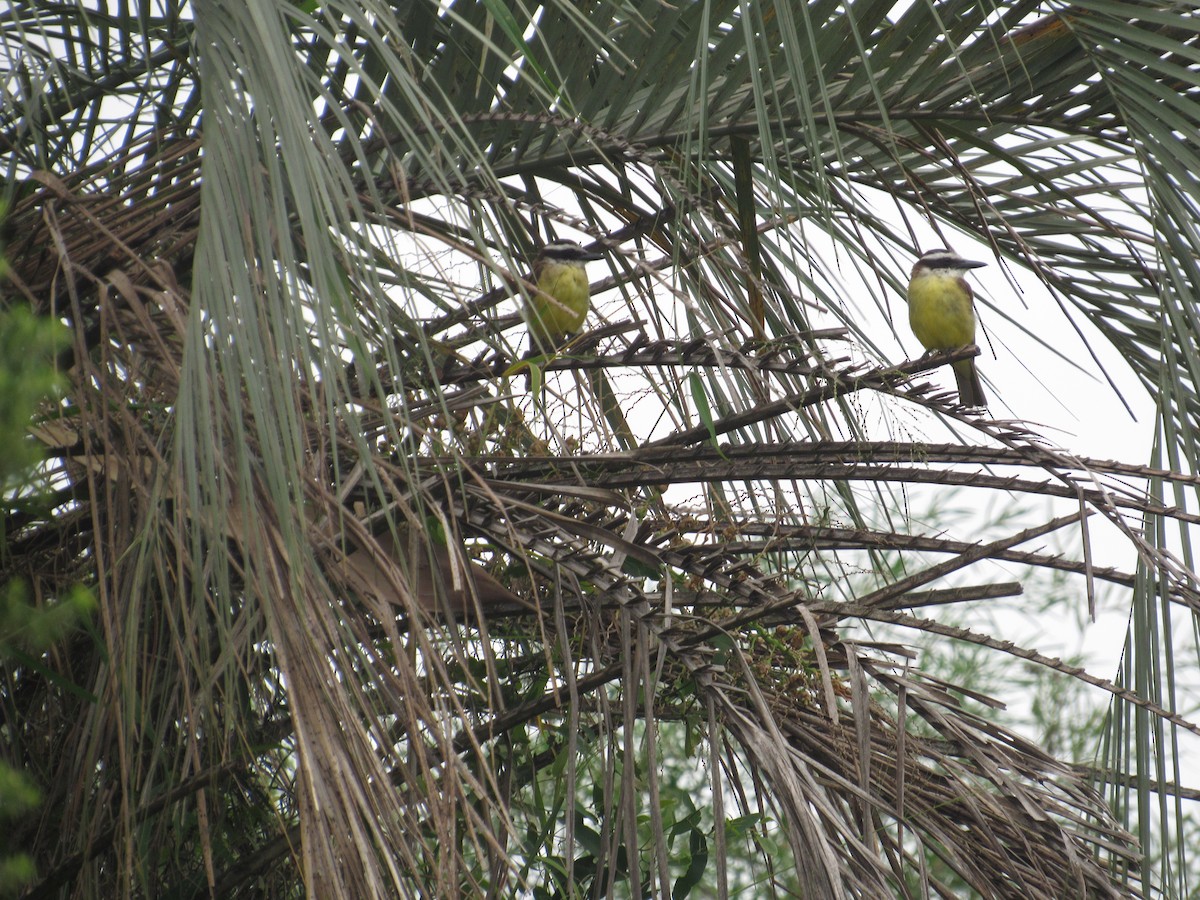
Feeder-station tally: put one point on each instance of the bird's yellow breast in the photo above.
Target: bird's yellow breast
(940, 312)
(568, 285)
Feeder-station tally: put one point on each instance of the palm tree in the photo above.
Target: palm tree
(389, 607)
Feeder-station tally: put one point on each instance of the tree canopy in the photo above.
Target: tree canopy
(291, 241)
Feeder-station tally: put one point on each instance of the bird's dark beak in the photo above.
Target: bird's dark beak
(971, 264)
(592, 255)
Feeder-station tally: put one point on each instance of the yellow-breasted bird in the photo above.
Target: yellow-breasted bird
(560, 308)
(941, 311)
(562, 302)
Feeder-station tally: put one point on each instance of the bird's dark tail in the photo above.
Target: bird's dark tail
(970, 389)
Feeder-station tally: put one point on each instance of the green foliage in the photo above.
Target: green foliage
(26, 629)
(28, 344)
(27, 378)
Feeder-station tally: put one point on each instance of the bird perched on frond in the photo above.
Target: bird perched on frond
(941, 311)
(559, 308)
(562, 302)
